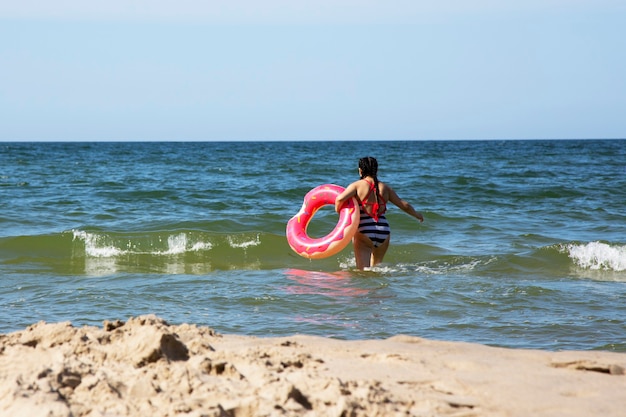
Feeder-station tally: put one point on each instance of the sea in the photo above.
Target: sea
(523, 243)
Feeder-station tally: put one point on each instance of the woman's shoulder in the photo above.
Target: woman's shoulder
(383, 185)
(360, 183)
(355, 187)
(384, 189)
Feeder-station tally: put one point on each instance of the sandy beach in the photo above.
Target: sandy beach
(146, 367)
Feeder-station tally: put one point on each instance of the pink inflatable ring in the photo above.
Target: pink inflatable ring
(335, 241)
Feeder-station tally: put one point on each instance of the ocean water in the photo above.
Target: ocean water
(523, 244)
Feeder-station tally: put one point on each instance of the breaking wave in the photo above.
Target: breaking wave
(190, 251)
(597, 256)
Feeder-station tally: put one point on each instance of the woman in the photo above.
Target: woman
(372, 239)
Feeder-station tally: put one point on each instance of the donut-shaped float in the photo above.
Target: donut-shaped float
(337, 239)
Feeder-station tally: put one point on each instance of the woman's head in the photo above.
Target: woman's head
(368, 167)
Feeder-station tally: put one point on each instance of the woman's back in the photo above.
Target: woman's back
(374, 205)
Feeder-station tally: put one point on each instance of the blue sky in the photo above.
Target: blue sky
(312, 70)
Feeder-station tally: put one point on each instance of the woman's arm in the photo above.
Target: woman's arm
(347, 194)
(404, 205)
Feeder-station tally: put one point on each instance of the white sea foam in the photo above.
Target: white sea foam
(436, 267)
(200, 246)
(179, 243)
(243, 243)
(176, 244)
(95, 246)
(598, 255)
(100, 246)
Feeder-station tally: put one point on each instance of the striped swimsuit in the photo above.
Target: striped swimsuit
(375, 227)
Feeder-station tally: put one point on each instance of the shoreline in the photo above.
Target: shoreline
(145, 366)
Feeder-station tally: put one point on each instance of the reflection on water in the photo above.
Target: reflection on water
(335, 285)
(331, 284)
(331, 302)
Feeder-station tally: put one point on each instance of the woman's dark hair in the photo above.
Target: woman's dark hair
(369, 167)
